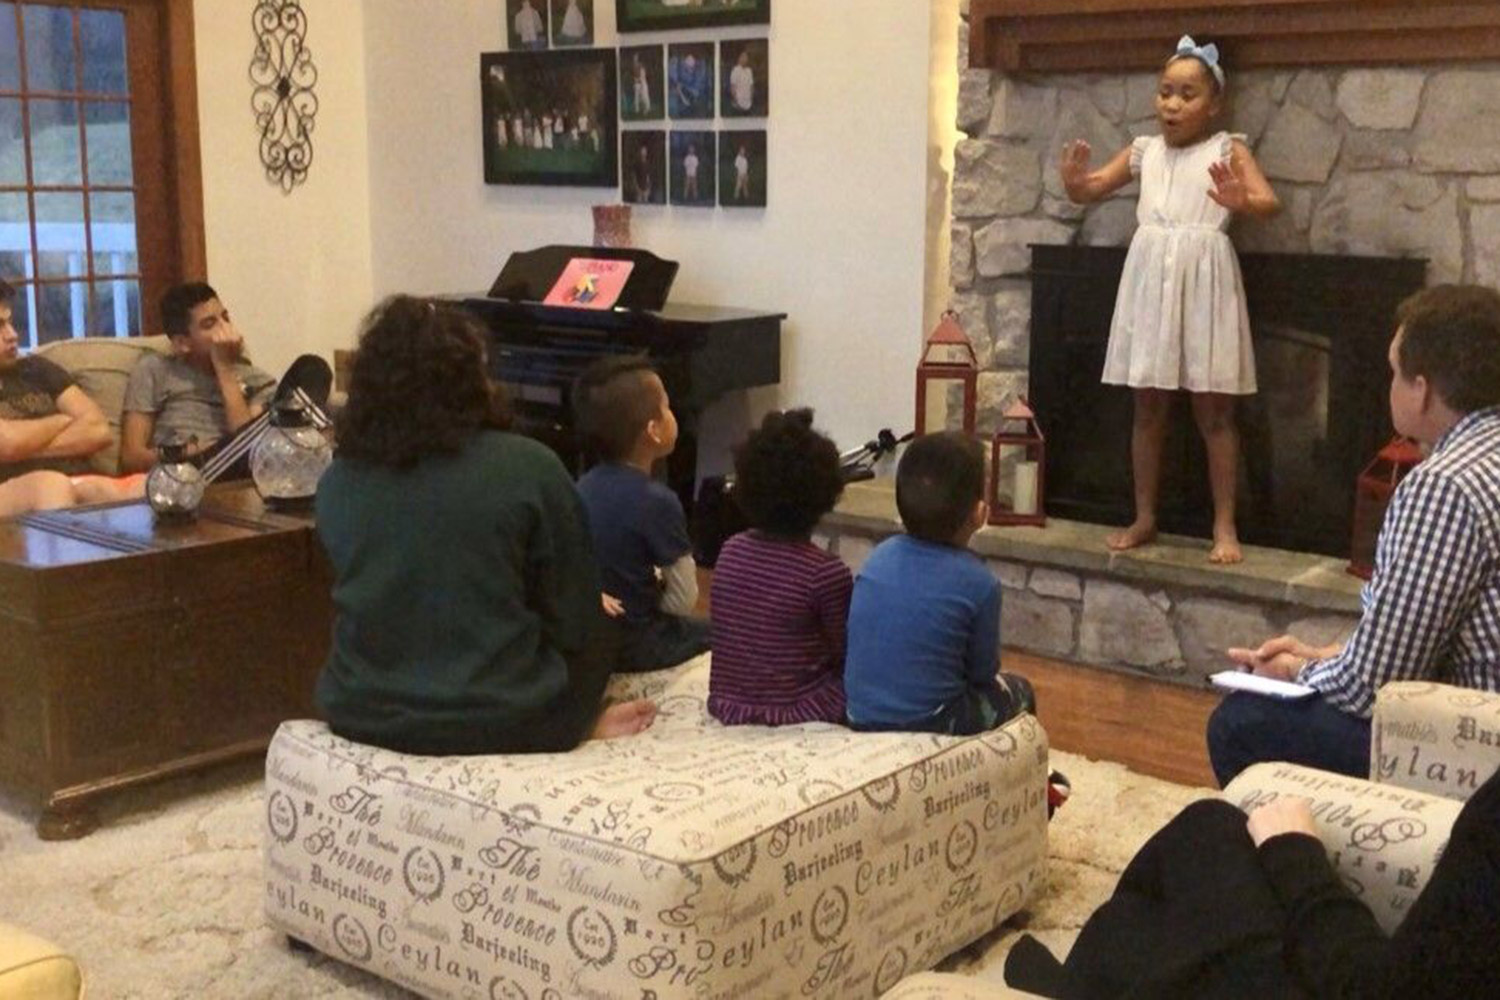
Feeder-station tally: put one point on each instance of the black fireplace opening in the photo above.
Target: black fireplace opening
(1321, 326)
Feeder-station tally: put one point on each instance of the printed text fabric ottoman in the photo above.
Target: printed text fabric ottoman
(695, 860)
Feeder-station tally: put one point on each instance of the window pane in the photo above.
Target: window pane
(108, 127)
(12, 148)
(117, 309)
(15, 235)
(59, 235)
(10, 60)
(49, 49)
(112, 216)
(55, 156)
(20, 315)
(103, 51)
(62, 311)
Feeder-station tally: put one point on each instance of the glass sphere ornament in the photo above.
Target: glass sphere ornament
(174, 486)
(289, 457)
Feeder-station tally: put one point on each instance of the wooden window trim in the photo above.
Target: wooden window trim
(167, 149)
(1070, 36)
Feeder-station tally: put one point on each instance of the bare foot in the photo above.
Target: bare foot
(1138, 534)
(624, 719)
(1226, 550)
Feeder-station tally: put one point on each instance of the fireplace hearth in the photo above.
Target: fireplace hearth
(1321, 326)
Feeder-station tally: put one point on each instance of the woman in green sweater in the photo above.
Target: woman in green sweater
(468, 606)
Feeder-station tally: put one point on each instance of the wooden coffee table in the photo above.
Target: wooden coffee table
(133, 649)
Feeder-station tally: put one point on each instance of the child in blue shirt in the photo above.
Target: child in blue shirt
(924, 621)
(640, 534)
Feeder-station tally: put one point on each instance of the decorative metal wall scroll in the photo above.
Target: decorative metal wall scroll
(284, 103)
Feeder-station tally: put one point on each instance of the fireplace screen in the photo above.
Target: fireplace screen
(1321, 326)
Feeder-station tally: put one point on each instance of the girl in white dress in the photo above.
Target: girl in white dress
(1180, 321)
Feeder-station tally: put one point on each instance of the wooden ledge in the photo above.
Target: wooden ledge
(1067, 36)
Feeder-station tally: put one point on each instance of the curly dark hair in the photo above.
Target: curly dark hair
(787, 475)
(1452, 337)
(418, 385)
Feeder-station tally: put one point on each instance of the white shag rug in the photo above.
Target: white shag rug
(164, 900)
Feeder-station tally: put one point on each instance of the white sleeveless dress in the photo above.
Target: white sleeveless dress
(1180, 320)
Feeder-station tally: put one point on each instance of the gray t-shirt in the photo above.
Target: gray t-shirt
(186, 400)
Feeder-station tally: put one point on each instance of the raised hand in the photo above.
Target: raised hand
(1074, 165)
(1229, 187)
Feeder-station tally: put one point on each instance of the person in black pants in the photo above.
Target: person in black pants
(1214, 906)
(469, 615)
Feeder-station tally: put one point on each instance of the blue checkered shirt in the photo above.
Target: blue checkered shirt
(1432, 609)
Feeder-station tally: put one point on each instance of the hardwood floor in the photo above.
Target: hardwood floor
(1151, 727)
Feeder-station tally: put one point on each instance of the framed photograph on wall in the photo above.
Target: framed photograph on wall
(643, 167)
(692, 169)
(744, 78)
(526, 25)
(643, 90)
(549, 117)
(690, 80)
(742, 168)
(572, 23)
(672, 15)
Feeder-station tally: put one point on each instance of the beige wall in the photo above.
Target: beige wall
(293, 269)
(942, 137)
(840, 248)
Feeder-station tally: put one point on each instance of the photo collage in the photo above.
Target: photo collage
(684, 111)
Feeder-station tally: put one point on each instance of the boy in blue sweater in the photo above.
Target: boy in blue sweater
(924, 621)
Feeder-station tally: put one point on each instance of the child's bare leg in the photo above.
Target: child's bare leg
(1148, 432)
(624, 719)
(36, 491)
(1214, 413)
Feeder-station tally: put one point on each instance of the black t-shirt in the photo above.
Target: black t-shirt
(28, 391)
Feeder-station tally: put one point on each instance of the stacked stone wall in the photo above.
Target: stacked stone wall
(1400, 162)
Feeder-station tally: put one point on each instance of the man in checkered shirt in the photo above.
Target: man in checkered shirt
(1432, 609)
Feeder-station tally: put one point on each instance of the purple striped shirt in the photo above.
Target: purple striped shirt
(779, 610)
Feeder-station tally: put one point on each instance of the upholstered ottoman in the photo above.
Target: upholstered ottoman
(946, 986)
(34, 969)
(695, 860)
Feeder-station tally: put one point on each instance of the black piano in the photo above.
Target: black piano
(701, 352)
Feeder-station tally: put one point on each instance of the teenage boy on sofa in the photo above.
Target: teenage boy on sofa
(206, 393)
(48, 428)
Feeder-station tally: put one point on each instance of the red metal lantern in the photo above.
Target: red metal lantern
(1018, 463)
(948, 360)
(1372, 495)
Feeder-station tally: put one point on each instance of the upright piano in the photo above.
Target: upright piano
(537, 350)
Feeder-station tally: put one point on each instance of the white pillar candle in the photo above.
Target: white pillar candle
(1024, 495)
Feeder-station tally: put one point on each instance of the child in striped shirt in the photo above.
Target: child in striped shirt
(778, 601)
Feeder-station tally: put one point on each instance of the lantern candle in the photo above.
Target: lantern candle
(1023, 499)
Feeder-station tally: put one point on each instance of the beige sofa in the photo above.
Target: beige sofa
(101, 366)
(696, 860)
(1432, 746)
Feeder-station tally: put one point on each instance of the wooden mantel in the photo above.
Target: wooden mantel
(1067, 36)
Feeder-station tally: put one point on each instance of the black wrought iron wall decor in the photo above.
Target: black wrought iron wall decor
(284, 103)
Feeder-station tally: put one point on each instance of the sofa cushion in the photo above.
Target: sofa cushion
(694, 860)
(947, 986)
(34, 969)
(101, 366)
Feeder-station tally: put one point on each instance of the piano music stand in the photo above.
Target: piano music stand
(530, 274)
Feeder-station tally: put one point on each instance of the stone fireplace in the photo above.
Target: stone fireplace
(1388, 161)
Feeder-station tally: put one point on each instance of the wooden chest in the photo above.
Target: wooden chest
(132, 649)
